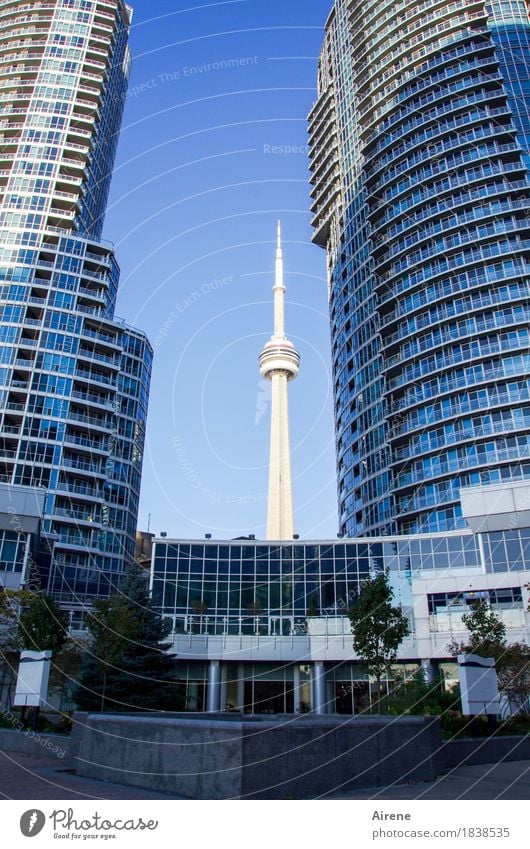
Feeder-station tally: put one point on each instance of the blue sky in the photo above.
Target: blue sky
(212, 152)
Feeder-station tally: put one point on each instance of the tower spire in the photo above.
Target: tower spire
(279, 363)
(279, 290)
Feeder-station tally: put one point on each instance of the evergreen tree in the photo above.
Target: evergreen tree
(127, 666)
(42, 625)
(378, 627)
(65, 671)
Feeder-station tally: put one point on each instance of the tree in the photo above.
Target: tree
(10, 603)
(254, 611)
(487, 633)
(42, 625)
(487, 638)
(127, 665)
(378, 627)
(64, 671)
(110, 624)
(200, 608)
(513, 675)
(312, 609)
(32, 621)
(417, 696)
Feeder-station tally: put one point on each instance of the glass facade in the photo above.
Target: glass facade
(419, 156)
(74, 381)
(255, 625)
(257, 588)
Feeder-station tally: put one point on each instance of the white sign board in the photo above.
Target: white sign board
(478, 685)
(32, 680)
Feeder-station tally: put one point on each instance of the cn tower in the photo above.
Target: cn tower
(279, 362)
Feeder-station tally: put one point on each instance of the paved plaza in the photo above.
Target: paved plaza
(31, 777)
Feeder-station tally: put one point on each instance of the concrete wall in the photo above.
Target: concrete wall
(42, 745)
(484, 750)
(234, 757)
(285, 757)
(196, 758)
(309, 758)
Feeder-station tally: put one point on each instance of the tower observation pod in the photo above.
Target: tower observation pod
(279, 362)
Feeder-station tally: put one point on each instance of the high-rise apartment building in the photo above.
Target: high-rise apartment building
(74, 381)
(420, 144)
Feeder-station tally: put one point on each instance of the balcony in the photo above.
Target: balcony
(101, 337)
(95, 294)
(82, 442)
(83, 466)
(79, 489)
(78, 515)
(93, 421)
(114, 362)
(92, 398)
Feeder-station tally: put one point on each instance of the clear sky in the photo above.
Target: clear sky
(212, 152)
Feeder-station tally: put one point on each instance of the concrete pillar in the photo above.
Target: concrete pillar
(296, 687)
(319, 688)
(428, 671)
(240, 687)
(224, 687)
(213, 698)
(25, 564)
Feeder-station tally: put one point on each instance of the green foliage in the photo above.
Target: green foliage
(10, 601)
(513, 676)
(64, 672)
(42, 625)
(420, 698)
(10, 604)
(487, 632)
(31, 621)
(378, 627)
(312, 609)
(126, 665)
(487, 638)
(455, 725)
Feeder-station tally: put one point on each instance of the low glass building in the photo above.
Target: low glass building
(263, 627)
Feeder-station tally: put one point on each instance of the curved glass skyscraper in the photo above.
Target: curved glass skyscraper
(74, 382)
(420, 154)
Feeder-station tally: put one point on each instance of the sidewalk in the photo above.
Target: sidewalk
(31, 777)
(505, 780)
